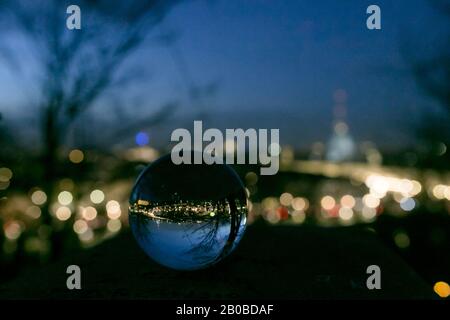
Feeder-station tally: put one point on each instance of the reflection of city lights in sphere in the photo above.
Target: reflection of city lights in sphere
(187, 217)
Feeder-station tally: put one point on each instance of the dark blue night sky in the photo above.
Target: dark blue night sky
(276, 64)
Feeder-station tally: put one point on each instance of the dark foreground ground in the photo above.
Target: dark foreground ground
(283, 262)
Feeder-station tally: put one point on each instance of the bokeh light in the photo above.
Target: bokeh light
(348, 201)
(63, 213)
(89, 213)
(300, 204)
(76, 156)
(442, 289)
(286, 199)
(38, 197)
(5, 174)
(328, 202)
(407, 204)
(401, 239)
(97, 196)
(65, 198)
(12, 230)
(80, 226)
(33, 212)
(113, 209)
(371, 201)
(114, 225)
(142, 139)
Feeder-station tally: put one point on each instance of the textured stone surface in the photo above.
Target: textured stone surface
(282, 262)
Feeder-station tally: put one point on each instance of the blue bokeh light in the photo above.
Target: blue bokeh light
(142, 139)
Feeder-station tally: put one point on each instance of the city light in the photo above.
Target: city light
(142, 139)
(368, 213)
(89, 213)
(407, 204)
(401, 239)
(12, 230)
(298, 216)
(114, 225)
(439, 191)
(80, 226)
(348, 201)
(371, 201)
(328, 202)
(38, 197)
(97, 196)
(113, 209)
(442, 289)
(33, 212)
(63, 213)
(286, 199)
(76, 156)
(4, 185)
(251, 178)
(300, 204)
(5, 174)
(66, 184)
(86, 236)
(65, 198)
(345, 213)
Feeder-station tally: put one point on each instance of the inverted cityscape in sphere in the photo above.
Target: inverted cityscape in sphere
(188, 217)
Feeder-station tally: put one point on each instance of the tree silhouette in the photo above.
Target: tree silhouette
(73, 69)
(433, 73)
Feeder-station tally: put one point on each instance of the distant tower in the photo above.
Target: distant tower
(341, 146)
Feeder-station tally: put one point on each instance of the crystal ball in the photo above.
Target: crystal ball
(188, 216)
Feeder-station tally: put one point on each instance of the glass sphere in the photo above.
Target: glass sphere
(188, 216)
